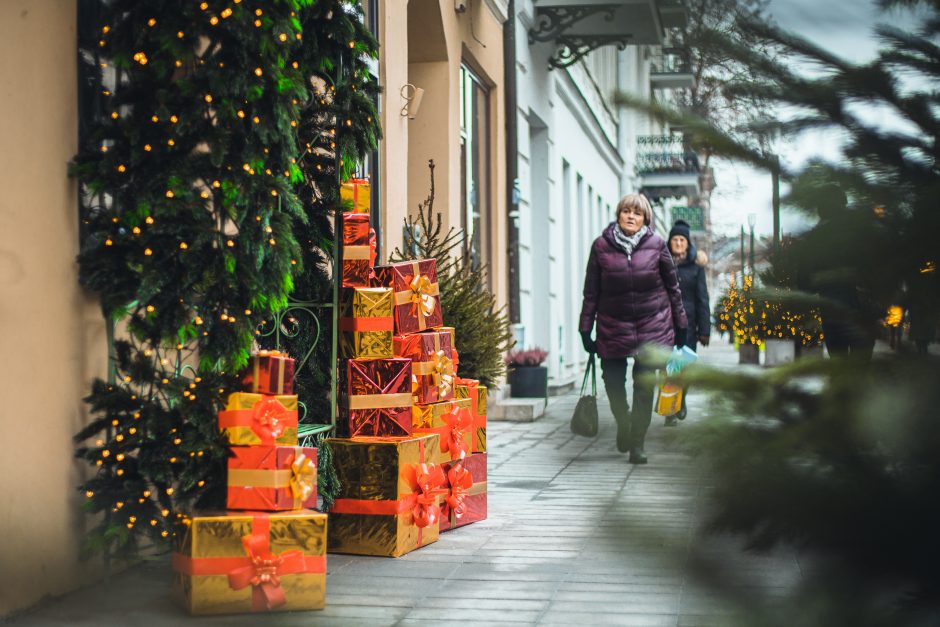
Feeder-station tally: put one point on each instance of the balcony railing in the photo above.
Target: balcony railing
(665, 154)
(670, 69)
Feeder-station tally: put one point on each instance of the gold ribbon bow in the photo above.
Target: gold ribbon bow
(442, 371)
(303, 479)
(421, 297)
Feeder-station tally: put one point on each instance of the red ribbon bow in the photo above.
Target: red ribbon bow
(268, 419)
(263, 574)
(460, 481)
(459, 420)
(426, 484)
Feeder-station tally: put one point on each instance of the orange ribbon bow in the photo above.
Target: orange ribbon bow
(426, 484)
(268, 419)
(458, 421)
(303, 479)
(264, 571)
(460, 481)
(422, 298)
(442, 371)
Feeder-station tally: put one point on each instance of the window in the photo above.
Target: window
(474, 166)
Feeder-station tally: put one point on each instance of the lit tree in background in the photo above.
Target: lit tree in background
(207, 184)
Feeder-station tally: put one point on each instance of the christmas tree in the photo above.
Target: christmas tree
(207, 189)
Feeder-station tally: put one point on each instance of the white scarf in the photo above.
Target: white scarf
(629, 242)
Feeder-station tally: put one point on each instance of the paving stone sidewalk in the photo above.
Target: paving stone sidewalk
(575, 535)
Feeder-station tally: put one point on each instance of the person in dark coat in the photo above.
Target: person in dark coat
(631, 290)
(690, 265)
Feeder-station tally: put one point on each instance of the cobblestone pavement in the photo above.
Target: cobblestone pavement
(575, 535)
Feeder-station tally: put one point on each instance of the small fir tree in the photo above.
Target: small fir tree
(482, 328)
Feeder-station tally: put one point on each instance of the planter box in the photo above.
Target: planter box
(777, 352)
(528, 382)
(749, 354)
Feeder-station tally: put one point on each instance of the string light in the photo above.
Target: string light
(147, 148)
(148, 220)
(148, 252)
(141, 58)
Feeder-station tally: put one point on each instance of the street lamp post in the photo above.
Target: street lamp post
(751, 220)
(742, 255)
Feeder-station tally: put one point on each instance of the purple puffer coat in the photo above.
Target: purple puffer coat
(635, 299)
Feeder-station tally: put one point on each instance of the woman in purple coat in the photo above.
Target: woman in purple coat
(632, 290)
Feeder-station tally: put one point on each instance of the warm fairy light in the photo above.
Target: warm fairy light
(200, 483)
(177, 441)
(119, 438)
(165, 381)
(295, 65)
(141, 58)
(151, 22)
(204, 6)
(115, 422)
(108, 242)
(169, 193)
(150, 308)
(105, 453)
(257, 23)
(183, 245)
(282, 37)
(169, 491)
(247, 312)
(204, 194)
(132, 430)
(230, 243)
(170, 142)
(274, 192)
(240, 113)
(127, 378)
(136, 230)
(114, 115)
(216, 184)
(226, 12)
(224, 317)
(153, 522)
(179, 34)
(352, 44)
(148, 220)
(104, 149)
(105, 29)
(268, 229)
(258, 71)
(174, 119)
(246, 167)
(293, 123)
(119, 472)
(293, 262)
(147, 148)
(208, 98)
(199, 454)
(213, 20)
(272, 241)
(256, 119)
(89, 494)
(119, 504)
(258, 12)
(148, 252)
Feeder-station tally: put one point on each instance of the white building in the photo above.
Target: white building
(577, 152)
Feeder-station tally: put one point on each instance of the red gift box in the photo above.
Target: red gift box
(358, 250)
(465, 499)
(379, 399)
(416, 296)
(269, 372)
(431, 364)
(471, 388)
(272, 478)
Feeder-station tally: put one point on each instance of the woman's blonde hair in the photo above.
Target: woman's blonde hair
(636, 201)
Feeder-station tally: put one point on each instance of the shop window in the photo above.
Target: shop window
(475, 166)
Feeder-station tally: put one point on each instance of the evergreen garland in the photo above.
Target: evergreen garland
(207, 189)
(482, 329)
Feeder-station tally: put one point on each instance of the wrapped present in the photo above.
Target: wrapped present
(471, 388)
(379, 397)
(272, 478)
(253, 419)
(365, 322)
(357, 255)
(250, 562)
(359, 192)
(269, 372)
(453, 345)
(389, 501)
(465, 499)
(452, 422)
(431, 364)
(417, 300)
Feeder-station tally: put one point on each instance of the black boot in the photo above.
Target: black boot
(623, 434)
(637, 456)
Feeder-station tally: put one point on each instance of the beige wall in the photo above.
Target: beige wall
(53, 334)
(436, 40)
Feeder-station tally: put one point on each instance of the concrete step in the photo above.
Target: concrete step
(516, 410)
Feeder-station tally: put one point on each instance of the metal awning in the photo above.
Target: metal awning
(577, 27)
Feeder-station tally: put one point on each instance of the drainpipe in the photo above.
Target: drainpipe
(512, 153)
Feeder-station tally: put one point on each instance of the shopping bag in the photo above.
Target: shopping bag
(584, 420)
(670, 399)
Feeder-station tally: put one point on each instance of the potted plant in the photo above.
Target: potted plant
(738, 314)
(528, 378)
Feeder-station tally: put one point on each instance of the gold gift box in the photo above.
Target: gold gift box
(373, 514)
(434, 417)
(470, 388)
(210, 559)
(365, 323)
(245, 433)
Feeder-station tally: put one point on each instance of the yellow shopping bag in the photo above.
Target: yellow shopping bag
(670, 399)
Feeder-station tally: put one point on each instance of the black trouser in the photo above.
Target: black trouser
(691, 341)
(615, 382)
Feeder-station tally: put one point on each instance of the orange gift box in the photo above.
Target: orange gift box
(252, 419)
(432, 365)
(416, 296)
(389, 501)
(272, 478)
(465, 499)
(359, 192)
(471, 388)
(240, 562)
(269, 372)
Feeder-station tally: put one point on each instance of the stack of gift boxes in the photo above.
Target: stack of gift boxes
(268, 551)
(414, 463)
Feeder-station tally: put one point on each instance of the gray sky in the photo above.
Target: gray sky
(845, 28)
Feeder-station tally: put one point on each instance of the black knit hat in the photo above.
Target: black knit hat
(681, 227)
